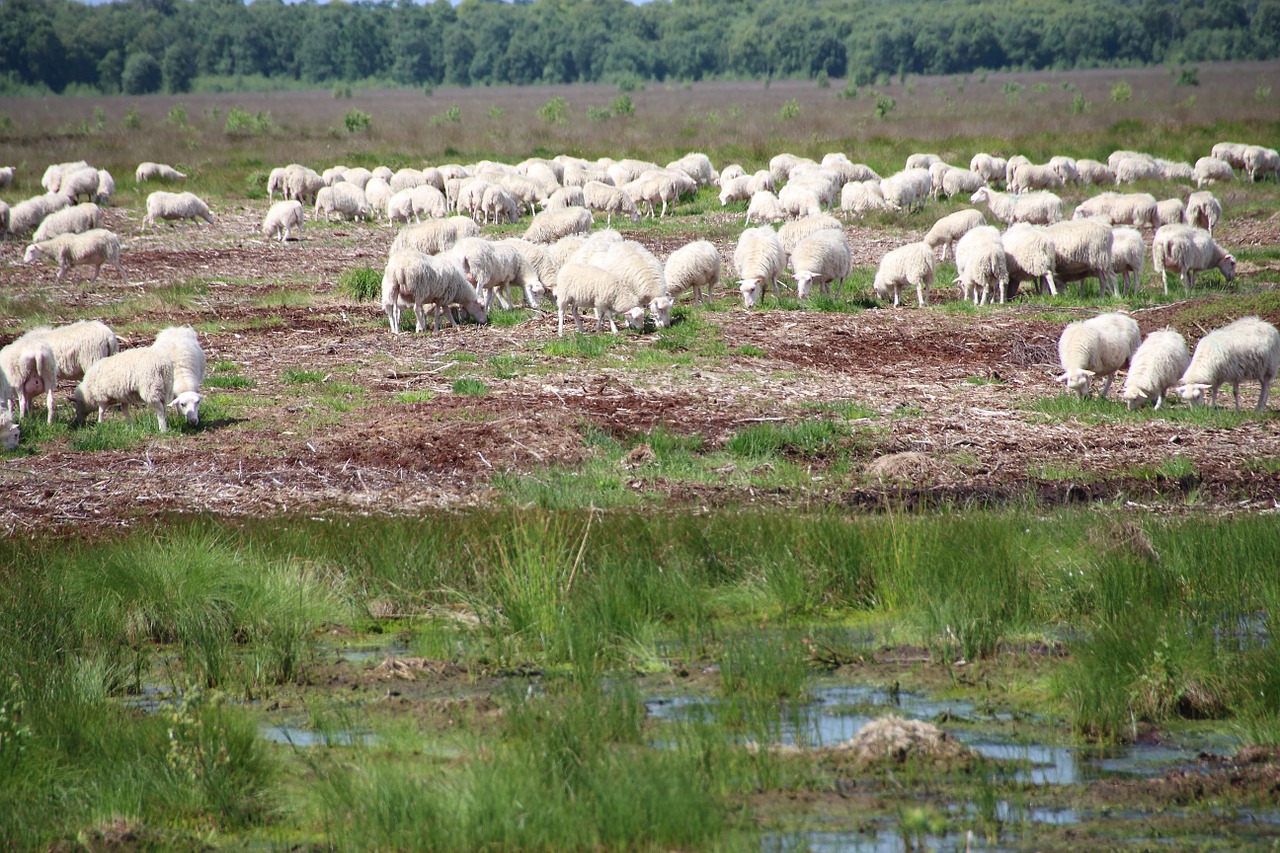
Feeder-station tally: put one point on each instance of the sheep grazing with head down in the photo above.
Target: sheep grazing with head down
(693, 267)
(981, 265)
(1261, 163)
(1096, 348)
(608, 200)
(911, 265)
(641, 269)
(26, 216)
(759, 260)
(1094, 173)
(823, 257)
(412, 278)
(587, 286)
(136, 377)
(1187, 250)
(1039, 208)
(1127, 255)
(175, 206)
(10, 433)
(78, 346)
(1029, 256)
(765, 207)
(1171, 211)
(181, 345)
(1203, 210)
(951, 228)
(1155, 368)
(550, 225)
(436, 236)
(282, 218)
(91, 248)
(69, 220)
(1209, 170)
(1082, 249)
(858, 198)
(149, 171)
(1245, 350)
(29, 368)
(790, 234)
(990, 169)
(1136, 209)
(6, 177)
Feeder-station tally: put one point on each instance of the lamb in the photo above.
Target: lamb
(1037, 208)
(1176, 170)
(1132, 169)
(140, 376)
(1094, 348)
(951, 228)
(1203, 210)
(981, 265)
(637, 266)
(417, 279)
(1170, 211)
(78, 346)
(69, 220)
(26, 216)
(1247, 349)
(799, 202)
(149, 171)
(609, 200)
(1209, 170)
(29, 367)
(428, 203)
(1155, 368)
(765, 207)
(697, 166)
(436, 236)
(1011, 166)
(96, 247)
(1187, 250)
(1034, 176)
(275, 181)
(1094, 173)
(1029, 256)
(106, 187)
(550, 225)
(81, 182)
(693, 267)
(1261, 162)
(406, 179)
(1127, 253)
(1138, 209)
(907, 190)
(862, 197)
(758, 259)
(822, 257)
(582, 285)
(563, 198)
(1082, 249)
(182, 346)
(519, 266)
(281, 219)
(343, 198)
(540, 259)
(1116, 157)
(162, 205)
(909, 265)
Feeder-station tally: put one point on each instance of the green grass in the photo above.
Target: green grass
(807, 439)
(578, 346)
(415, 397)
(470, 388)
(296, 376)
(362, 284)
(229, 381)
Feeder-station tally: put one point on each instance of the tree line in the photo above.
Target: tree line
(140, 46)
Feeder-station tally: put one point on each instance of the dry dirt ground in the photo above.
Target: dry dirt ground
(955, 387)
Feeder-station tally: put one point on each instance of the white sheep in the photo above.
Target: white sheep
(412, 278)
(343, 198)
(584, 285)
(90, 248)
(664, 188)
(609, 200)
(181, 345)
(1029, 256)
(799, 202)
(149, 171)
(400, 207)
(174, 206)
(1092, 172)
(69, 220)
(359, 177)
(52, 177)
(825, 183)
(496, 266)
(499, 206)
(765, 207)
(735, 189)
(1231, 153)
(1066, 168)
(1170, 211)
(951, 228)
(1040, 208)
(4, 219)
(907, 190)
(275, 180)
(406, 179)
(26, 215)
(1133, 169)
(1244, 350)
(1096, 348)
(550, 225)
(383, 173)
(1137, 209)
(1127, 254)
(81, 182)
(29, 367)
(862, 197)
(960, 182)
(761, 180)
(302, 184)
(697, 166)
(642, 270)
(10, 433)
(693, 267)
(911, 265)
(1203, 210)
(921, 161)
(428, 203)
(790, 234)
(728, 173)
(6, 176)
(846, 170)
(1187, 250)
(564, 197)
(758, 259)
(139, 376)
(780, 166)
(106, 187)
(1261, 162)
(1116, 157)
(822, 257)
(981, 266)
(377, 192)
(990, 169)
(78, 345)
(1034, 176)
(282, 218)
(436, 236)
(1176, 170)
(1082, 249)
(1155, 367)
(1011, 165)
(1209, 170)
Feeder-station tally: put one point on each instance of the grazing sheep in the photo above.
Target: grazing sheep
(761, 180)
(728, 173)
(358, 177)
(1011, 165)
(697, 166)
(275, 180)
(1137, 209)
(921, 161)
(281, 219)
(302, 184)
(106, 187)
(735, 189)
(492, 267)
(911, 265)
(825, 183)
(799, 202)
(765, 207)
(550, 225)
(822, 257)
(149, 171)
(139, 376)
(52, 177)
(400, 207)
(377, 192)
(406, 179)
(981, 265)
(1247, 349)
(693, 267)
(1037, 208)
(563, 198)
(78, 345)
(1175, 170)
(499, 206)
(383, 173)
(1231, 153)
(10, 433)
(4, 219)
(1029, 256)
(951, 228)
(583, 285)
(780, 166)
(29, 367)
(1116, 157)
(663, 188)
(1034, 176)
(182, 346)
(90, 248)
(81, 182)
(6, 177)
(609, 200)
(69, 220)
(1066, 168)
(428, 203)
(175, 206)
(1082, 249)
(1133, 169)
(412, 278)
(541, 259)
(1155, 368)
(1170, 211)
(1187, 250)
(26, 216)
(960, 182)
(343, 198)
(1210, 170)
(1092, 172)
(1203, 210)
(907, 190)
(990, 169)
(792, 233)
(1127, 254)
(847, 171)
(1094, 348)
(1259, 162)
(637, 266)
(758, 259)
(862, 197)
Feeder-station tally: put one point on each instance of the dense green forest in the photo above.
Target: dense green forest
(140, 46)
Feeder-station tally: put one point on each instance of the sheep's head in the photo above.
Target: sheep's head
(661, 308)
(1078, 381)
(979, 196)
(1228, 267)
(476, 309)
(187, 404)
(751, 292)
(634, 215)
(635, 318)
(9, 435)
(1193, 392)
(804, 284)
(81, 407)
(1135, 398)
(33, 251)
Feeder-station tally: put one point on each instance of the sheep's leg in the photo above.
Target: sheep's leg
(1235, 393)
(62, 269)
(164, 422)
(1213, 398)
(664, 207)
(1262, 400)
(1106, 386)
(560, 324)
(393, 317)
(1159, 400)
(613, 327)
(102, 413)
(1053, 288)
(97, 268)
(502, 299)
(419, 314)
(22, 404)
(577, 319)
(49, 401)
(124, 410)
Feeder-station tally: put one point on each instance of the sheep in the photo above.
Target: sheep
(69, 220)
(428, 203)
(96, 247)
(780, 166)
(1116, 157)
(951, 228)
(697, 166)
(81, 182)
(281, 219)
(790, 235)
(1029, 256)
(1175, 170)
(78, 346)
(358, 177)
(761, 180)
(909, 265)
(4, 218)
(921, 161)
(1040, 208)
(990, 169)
(1187, 250)
(825, 183)
(765, 207)
(302, 184)
(907, 190)
(758, 259)
(1261, 162)
(1231, 153)
(609, 200)
(6, 177)
(343, 198)
(862, 197)
(1066, 168)
(1127, 254)
(636, 265)
(149, 171)
(1011, 165)
(693, 267)
(10, 433)
(520, 264)
(541, 259)
(275, 180)
(848, 171)
(728, 173)
(822, 257)
(1170, 211)
(412, 278)
(527, 193)
(140, 376)
(550, 225)
(582, 285)
(29, 367)
(1094, 348)
(1155, 367)
(1247, 349)
(383, 173)
(981, 265)
(493, 267)
(799, 202)
(182, 347)
(400, 207)
(1209, 170)
(1034, 176)
(1092, 172)
(26, 216)
(1082, 249)
(735, 189)
(106, 187)
(1137, 209)
(52, 177)
(960, 182)
(627, 170)
(377, 192)
(564, 197)
(1203, 210)
(406, 179)
(499, 206)
(436, 236)
(1132, 169)
(162, 205)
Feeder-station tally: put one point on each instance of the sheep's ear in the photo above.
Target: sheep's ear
(1229, 257)
(1063, 378)
(1089, 373)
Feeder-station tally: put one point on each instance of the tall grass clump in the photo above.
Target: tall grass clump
(361, 283)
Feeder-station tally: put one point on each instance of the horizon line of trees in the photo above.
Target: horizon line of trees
(142, 46)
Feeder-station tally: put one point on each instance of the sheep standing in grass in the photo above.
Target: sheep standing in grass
(563, 198)
(862, 197)
(26, 216)
(1203, 210)
(182, 346)
(282, 218)
(758, 259)
(1186, 250)
(91, 248)
(69, 220)
(981, 266)
(77, 346)
(585, 285)
(1170, 211)
(765, 207)
(4, 219)
(106, 187)
(302, 184)
(1209, 170)
(1037, 208)
(550, 225)
(609, 200)
(1232, 153)
(436, 236)
(1029, 256)
(951, 228)
(693, 267)
(6, 177)
(499, 206)
(1095, 348)
(1127, 254)
(29, 367)
(1155, 368)
(735, 189)
(911, 265)
(1245, 350)
(52, 177)
(1137, 209)
(1133, 169)
(792, 233)
(1082, 249)
(1259, 162)
(400, 207)
(149, 171)
(1094, 173)
(81, 182)
(1034, 176)
(823, 257)
(428, 203)
(642, 270)
(907, 190)
(412, 278)
(377, 192)
(511, 268)
(799, 202)
(175, 206)
(136, 377)
(345, 199)
(990, 169)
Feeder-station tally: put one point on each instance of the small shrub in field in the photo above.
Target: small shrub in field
(884, 105)
(178, 116)
(453, 115)
(496, 112)
(790, 110)
(1012, 91)
(357, 121)
(1121, 93)
(599, 113)
(428, 90)
(823, 81)
(361, 284)
(623, 106)
(1261, 92)
(132, 119)
(241, 122)
(849, 92)
(555, 111)
(630, 83)
(1079, 104)
(1188, 76)
(470, 388)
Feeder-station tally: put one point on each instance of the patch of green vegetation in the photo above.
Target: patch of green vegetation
(1175, 468)
(470, 388)
(1063, 471)
(362, 284)
(749, 351)
(283, 298)
(509, 366)
(845, 409)
(809, 439)
(983, 380)
(116, 432)
(503, 318)
(228, 380)
(415, 397)
(578, 346)
(298, 376)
